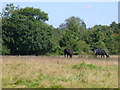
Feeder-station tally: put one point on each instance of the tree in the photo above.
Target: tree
(77, 25)
(7, 12)
(104, 37)
(25, 31)
(0, 35)
(71, 21)
(72, 35)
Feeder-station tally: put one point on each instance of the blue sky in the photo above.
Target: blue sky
(93, 13)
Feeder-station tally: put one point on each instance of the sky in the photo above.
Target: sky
(92, 13)
(119, 12)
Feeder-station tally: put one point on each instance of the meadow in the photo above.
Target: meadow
(59, 72)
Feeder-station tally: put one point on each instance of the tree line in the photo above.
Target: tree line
(25, 32)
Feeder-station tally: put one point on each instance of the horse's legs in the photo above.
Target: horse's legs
(103, 56)
(64, 55)
(71, 56)
(67, 55)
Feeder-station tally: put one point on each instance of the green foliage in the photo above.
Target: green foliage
(5, 50)
(24, 31)
(54, 86)
(72, 35)
(84, 66)
(104, 37)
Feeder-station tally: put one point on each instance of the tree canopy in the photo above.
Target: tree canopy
(25, 32)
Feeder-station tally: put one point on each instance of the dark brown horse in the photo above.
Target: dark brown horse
(68, 52)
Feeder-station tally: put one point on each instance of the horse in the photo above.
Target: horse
(68, 52)
(100, 52)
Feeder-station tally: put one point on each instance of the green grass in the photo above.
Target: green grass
(84, 65)
(49, 72)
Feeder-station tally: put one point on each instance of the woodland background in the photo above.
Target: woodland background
(25, 32)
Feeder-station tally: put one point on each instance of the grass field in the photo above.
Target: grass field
(59, 72)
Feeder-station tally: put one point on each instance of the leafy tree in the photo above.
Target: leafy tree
(7, 12)
(25, 31)
(72, 35)
(103, 37)
(0, 35)
(71, 21)
(114, 27)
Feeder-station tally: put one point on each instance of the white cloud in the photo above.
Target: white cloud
(88, 6)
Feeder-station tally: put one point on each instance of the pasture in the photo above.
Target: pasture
(59, 72)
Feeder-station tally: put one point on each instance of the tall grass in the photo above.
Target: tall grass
(0, 72)
(59, 72)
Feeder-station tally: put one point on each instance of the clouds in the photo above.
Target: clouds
(88, 6)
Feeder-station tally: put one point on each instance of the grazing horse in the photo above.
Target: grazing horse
(68, 52)
(100, 52)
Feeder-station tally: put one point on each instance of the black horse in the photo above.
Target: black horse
(100, 52)
(68, 52)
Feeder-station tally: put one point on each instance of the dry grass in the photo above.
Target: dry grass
(58, 72)
(0, 72)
